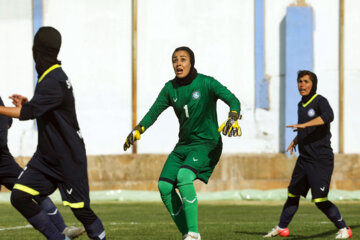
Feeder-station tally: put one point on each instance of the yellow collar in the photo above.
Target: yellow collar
(47, 71)
(308, 102)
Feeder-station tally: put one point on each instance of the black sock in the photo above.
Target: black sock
(96, 230)
(49, 207)
(332, 212)
(289, 210)
(42, 223)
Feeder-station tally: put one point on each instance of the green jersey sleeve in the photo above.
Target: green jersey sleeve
(221, 92)
(161, 103)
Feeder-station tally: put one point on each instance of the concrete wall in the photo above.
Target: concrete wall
(352, 76)
(234, 172)
(96, 54)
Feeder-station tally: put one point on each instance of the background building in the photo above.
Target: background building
(245, 44)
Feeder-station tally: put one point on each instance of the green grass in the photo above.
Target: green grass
(217, 221)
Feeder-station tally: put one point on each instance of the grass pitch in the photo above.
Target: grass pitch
(217, 221)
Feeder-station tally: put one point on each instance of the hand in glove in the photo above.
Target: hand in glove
(231, 127)
(133, 136)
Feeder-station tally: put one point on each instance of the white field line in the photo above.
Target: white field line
(29, 226)
(16, 228)
(123, 223)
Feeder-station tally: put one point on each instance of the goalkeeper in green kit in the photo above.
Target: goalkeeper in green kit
(193, 97)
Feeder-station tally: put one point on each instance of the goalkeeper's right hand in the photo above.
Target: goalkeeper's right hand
(133, 136)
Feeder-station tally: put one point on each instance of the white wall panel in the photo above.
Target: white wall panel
(16, 68)
(96, 55)
(352, 77)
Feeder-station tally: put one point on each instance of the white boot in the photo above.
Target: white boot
(283, 232)
(192, 236)
(343, 233)
(73, 232)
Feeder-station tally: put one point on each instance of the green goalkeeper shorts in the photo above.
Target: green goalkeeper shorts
(201, 158)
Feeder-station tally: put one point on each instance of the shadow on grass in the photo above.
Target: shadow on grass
(250, 233)
(319, 235)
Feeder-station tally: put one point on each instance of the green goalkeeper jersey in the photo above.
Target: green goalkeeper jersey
(195, 107)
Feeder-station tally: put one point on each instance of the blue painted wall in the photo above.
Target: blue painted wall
(298, 56)
(37, 15)
(37, 22)
(261, 83)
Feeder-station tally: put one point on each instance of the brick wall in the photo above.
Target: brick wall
(234, 172)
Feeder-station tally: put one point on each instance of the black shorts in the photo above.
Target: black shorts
(9, 170)
(74, 194)
(311, 175)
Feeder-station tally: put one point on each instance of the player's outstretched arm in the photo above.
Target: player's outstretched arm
(13, 112)
(231, 126)
(133, 136)
(314, 122)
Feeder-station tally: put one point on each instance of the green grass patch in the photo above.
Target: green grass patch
(217, 221)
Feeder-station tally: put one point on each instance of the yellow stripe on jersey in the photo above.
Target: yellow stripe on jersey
(292, 195)
(26, 189)
(317, 200)
(47, 71)
(74, 205)
(308, 102)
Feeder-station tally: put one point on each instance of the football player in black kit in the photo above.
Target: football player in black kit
(10, 171)
(315, 163)
(60, 158)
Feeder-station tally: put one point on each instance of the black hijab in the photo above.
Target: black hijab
(192, 73)
(47, 42)
(314, 81)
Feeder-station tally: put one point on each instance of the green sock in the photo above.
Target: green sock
(188, 194)
(174, 205)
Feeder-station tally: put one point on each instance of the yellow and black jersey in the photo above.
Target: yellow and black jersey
(314, 142)
(61, 151)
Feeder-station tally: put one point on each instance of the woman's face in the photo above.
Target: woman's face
(305, 85)
(181, 63)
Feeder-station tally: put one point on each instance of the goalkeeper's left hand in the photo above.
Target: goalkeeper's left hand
(133, 136)
(231, 126)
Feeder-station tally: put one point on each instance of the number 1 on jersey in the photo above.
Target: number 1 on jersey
(186, 111)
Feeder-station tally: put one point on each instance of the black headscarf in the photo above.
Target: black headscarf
(192, 73)
(47, 43)
(314, 81)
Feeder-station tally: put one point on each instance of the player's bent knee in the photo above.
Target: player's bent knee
(19, 198)
(165, 188)
(23, 202)
(185, 176)
(85, 215)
